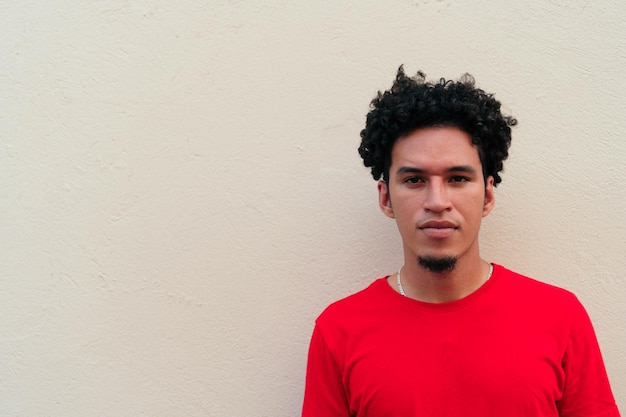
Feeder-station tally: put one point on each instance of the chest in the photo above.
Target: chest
(448, 364)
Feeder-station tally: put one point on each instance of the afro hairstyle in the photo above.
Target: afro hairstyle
(413, 103)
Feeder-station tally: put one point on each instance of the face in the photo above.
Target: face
(437, 193)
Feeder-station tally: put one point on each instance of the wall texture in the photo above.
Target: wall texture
(181, 192)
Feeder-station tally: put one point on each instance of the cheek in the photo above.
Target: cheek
(476, 214)
(472, 212)
(405, 216)
(406, 209)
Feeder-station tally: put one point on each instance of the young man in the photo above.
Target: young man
(449, 334)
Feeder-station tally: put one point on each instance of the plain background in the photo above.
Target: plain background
(181, 194)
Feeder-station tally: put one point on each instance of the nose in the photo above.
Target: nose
(437, 199)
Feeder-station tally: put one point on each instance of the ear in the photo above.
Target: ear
(384, 200)
(490, 197)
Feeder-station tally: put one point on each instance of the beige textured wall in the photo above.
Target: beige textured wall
(181, 193)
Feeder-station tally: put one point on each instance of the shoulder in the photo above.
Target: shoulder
(530, 290)
(540, 310)
(359, 304)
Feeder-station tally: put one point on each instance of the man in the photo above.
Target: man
(449, 334)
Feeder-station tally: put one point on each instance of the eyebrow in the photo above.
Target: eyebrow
(457, 168)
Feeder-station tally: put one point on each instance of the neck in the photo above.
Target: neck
(440, 287)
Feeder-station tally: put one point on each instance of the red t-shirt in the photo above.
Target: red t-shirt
(515, 347)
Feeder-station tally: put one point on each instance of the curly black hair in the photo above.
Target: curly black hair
(413, 103)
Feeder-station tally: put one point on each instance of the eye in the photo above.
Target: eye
(413, 180)
(459, 179)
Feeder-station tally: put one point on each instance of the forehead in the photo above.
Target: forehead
(435, 147)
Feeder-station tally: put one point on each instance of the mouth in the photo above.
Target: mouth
(438, 229)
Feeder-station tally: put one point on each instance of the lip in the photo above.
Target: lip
(438, 229)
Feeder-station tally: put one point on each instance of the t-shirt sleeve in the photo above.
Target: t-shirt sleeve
(587, 392)
(324, 393)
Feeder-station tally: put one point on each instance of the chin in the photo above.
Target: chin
(437, 263)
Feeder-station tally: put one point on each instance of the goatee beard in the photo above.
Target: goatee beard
(437, 265)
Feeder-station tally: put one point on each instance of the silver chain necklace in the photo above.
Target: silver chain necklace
(402, 289)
